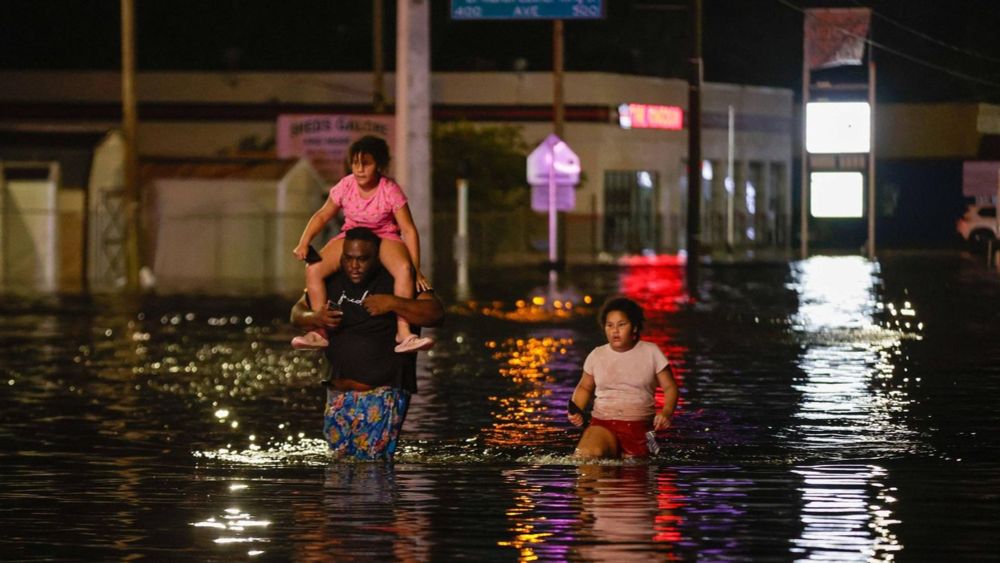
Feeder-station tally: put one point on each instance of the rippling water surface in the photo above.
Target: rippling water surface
(831, 409)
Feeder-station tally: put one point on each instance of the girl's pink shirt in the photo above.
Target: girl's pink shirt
(377, 212)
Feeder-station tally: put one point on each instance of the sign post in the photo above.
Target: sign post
(553, 172)
(553, 217)
(462, 236)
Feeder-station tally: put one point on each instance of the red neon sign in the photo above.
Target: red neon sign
(650, 116)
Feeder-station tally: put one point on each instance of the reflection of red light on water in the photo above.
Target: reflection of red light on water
(653, 260)
(667, 524)
(658, 289)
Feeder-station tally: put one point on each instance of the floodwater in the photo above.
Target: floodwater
(831, 409)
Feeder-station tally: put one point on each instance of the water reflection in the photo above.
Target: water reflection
(853, 401)
(365, 511)
(276, 452)
(609, 512)
(627, 510)
(798, 429)
(835, 293)
(541, 306)
(524, 418)
(846, 514)
(541, 518)
(717, 522)
(235, 526)
(374, 511)
(853, 404)
(656, 288)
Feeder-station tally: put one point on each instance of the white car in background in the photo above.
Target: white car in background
(979, 224)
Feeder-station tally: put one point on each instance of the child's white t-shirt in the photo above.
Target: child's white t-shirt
(625, 381)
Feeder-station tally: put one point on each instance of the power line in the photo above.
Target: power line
(903, 55)
(927, 37)
(934, 66)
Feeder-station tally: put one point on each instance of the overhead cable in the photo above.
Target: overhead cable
(903, 55)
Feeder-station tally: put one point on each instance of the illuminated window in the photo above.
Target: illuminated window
(644, 179)
(836, 194)
(838, 127)
(706, 170)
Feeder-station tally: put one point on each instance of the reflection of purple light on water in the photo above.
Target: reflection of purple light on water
(713, 513)
(537, 494)
(565, 369)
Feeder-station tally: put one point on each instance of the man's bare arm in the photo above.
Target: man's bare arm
(304, 317)
(425, 310)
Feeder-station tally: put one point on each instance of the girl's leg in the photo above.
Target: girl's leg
(396, 259)
(316, 290)
(597, 442)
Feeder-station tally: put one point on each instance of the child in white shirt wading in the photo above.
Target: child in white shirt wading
(621, 378)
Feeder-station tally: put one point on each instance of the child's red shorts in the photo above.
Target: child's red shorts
(631, 435)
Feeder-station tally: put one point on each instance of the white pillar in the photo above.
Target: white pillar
(413, 117)
(4, 203)
(462, 241)
(730, 182)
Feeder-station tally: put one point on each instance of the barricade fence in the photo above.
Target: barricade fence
(252, 252)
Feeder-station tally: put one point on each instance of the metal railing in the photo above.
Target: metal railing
(224, 253)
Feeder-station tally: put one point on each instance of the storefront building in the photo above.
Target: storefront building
(630, 133)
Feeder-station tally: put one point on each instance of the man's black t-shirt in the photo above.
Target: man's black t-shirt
(361, 348)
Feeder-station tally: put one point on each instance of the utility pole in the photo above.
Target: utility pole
(413, 118)
(557, 219)
(558, 62)
(804, 154)
(378, 57)
(130, 192)
(871, 155)
(694, 152)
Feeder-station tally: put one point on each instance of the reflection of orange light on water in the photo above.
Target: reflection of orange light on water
(520, 420)
(526, 537)
(536, 310)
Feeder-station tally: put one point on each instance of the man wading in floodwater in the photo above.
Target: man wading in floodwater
(369, 385)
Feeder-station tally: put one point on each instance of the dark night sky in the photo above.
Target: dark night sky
(745, 41)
